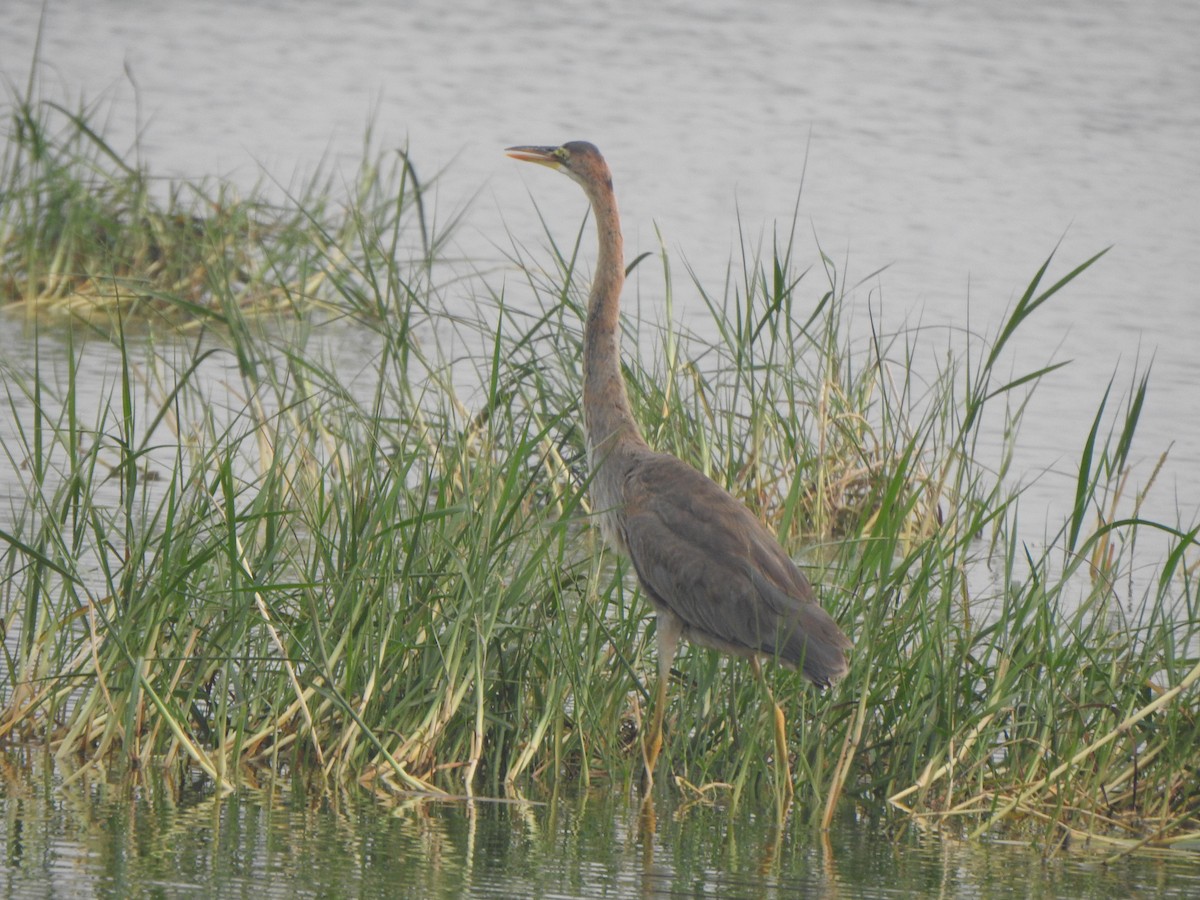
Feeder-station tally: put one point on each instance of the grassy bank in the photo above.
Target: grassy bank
(249, 550)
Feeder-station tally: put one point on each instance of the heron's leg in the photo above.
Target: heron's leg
(668, 631)
(781, 747)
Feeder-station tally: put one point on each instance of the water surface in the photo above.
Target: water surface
(955, 144)
(108, 836)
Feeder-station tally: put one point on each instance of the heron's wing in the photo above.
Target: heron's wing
(703, 554)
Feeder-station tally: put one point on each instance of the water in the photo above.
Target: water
(955, 144)
(113, 837)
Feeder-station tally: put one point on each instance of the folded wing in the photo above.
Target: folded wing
(704, 556)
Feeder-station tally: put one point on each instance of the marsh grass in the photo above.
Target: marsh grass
(83, 231)
(243, 553)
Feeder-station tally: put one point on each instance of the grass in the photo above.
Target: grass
(246, 549)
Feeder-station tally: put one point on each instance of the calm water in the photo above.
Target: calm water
(953, 143)
(116, 839)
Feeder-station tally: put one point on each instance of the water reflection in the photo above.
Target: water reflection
(67, 832)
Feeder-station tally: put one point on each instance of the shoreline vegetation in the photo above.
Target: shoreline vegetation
(236, 553)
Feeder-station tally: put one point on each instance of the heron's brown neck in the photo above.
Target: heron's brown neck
(608, 417)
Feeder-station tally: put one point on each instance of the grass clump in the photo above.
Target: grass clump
(257, 552)
(83, 230)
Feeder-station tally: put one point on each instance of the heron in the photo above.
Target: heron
(712, 571)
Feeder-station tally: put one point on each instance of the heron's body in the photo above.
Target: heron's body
(714, 573)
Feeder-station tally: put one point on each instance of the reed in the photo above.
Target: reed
(249, 551)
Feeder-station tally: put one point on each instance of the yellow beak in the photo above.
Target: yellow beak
(544, 155)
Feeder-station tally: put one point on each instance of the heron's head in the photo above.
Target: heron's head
(579, 159)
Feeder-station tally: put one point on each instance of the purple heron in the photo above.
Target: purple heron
(713, 572)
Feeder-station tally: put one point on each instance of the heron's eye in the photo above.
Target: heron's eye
(563, 154)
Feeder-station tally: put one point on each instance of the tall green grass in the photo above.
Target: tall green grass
(251, 552)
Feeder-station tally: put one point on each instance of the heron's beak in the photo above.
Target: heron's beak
(544, 155)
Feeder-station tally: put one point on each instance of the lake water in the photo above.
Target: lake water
(111, 837)
(955, 144)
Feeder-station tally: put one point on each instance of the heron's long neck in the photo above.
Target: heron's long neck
(607, 415)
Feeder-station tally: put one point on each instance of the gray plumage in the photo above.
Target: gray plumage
(703, 557)
(713, 572)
